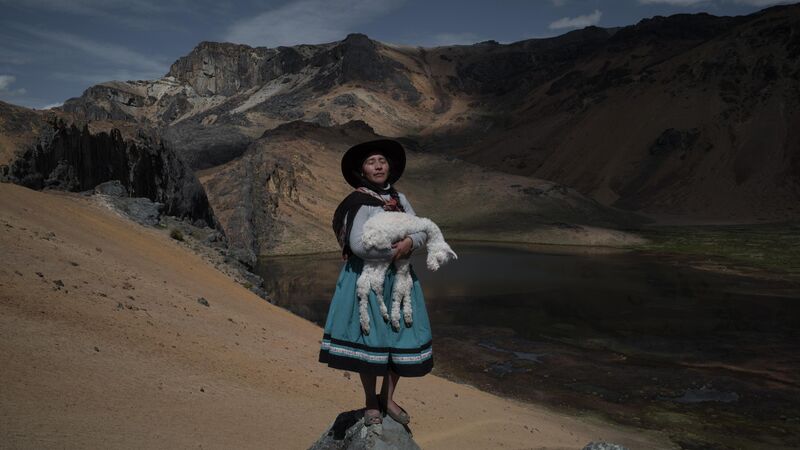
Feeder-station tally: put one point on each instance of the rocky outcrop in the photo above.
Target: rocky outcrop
(139, 209)
(348, 432)
(72, 159)
(221, 68)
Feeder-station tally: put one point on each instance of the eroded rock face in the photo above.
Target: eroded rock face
(68, 158)
(221, 68)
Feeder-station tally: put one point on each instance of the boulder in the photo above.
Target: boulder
(113, 188)
(348, 432)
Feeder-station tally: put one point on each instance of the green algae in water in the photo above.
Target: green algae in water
(773, 247)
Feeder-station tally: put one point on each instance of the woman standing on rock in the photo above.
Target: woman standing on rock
(372, 168)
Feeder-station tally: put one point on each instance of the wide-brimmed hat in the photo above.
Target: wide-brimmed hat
(355, 156)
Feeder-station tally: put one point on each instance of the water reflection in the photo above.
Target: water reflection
(641, 340)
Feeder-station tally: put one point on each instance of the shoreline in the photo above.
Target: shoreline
(705, 261)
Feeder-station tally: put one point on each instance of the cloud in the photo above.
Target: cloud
(51, 105)
(146, 66)
(577, 22)
(5, 84)
(6, 81)
(142, 14)
(93, 7)
(308, 22)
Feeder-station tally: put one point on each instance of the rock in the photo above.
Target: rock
(113, 188)
(253, 279)
(347, 100)
(349, 433)
(603, 446)
(203, 301)
(138, 209)
(213, 237)
(259, 292)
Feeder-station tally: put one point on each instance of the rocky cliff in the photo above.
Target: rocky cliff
(73, 159)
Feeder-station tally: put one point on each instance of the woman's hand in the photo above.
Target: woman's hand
(402, 248)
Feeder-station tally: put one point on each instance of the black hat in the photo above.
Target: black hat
(355, 156)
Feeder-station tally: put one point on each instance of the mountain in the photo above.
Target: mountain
(687, 115)
(279, 196)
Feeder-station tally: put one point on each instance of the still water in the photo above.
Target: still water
(643, 340)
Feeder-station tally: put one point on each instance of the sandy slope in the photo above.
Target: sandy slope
(123, 356)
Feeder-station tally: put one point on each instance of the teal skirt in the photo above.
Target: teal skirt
(406, 351)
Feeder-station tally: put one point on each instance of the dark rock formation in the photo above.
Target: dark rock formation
(348, 432)
(71, 159)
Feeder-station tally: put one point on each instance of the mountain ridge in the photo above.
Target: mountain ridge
(683, 116)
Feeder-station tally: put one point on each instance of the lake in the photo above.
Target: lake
(644, 340)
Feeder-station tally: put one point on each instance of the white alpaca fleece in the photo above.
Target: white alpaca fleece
(380, 231)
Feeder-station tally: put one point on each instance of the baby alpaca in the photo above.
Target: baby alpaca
(380, 231)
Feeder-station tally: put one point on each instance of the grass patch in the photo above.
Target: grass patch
(176, 234)
(774, 247)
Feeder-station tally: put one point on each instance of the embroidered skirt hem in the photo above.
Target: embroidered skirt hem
(376, 361)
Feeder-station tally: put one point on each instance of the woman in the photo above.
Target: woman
(372, 168)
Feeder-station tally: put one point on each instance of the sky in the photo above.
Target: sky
(52, 50)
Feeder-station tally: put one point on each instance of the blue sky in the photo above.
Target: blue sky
(51, 50)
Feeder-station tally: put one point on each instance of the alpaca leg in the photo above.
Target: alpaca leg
(407, 284)
(401, 293)
(407, 304)
(377, 287)
(371, 276)
(396, 298)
